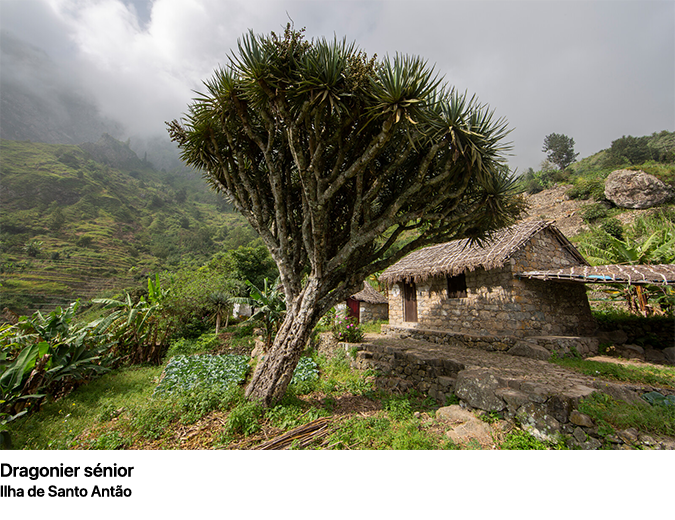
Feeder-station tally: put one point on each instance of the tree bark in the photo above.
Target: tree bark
(274, 372)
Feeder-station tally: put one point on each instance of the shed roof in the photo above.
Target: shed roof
(369, 295)
(453, 258)
(662, 274)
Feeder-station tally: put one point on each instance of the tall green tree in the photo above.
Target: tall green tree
(634, 150)
(559, 150)
(332, 157)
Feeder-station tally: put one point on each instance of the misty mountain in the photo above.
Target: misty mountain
(39, 103)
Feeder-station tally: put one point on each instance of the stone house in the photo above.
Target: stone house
(475, 290)
(366, 305)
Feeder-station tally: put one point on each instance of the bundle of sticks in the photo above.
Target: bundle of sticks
(299, 437)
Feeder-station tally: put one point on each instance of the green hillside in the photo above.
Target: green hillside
(653, 154)
(77, 221)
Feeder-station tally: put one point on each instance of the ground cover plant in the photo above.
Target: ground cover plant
(645, 374)
(195, 400)
(612, 415)
(184, 373)
(129, 408)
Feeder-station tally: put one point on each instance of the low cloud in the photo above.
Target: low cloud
(591, 70)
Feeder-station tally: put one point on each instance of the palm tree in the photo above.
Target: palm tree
(221, 304)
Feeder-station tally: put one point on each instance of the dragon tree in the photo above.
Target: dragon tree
(343, 164)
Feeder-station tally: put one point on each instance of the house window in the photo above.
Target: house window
(457, 286)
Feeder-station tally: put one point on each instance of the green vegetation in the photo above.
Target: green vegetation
(327, 152)
(654, 154)
(74, 227)
(648, 239)
(559, 150)
(522, 440)
(128, 408)
(612, 415)
(347, 330)
(185, 373)
(647, 374)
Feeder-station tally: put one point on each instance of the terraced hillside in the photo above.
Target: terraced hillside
(79, 221)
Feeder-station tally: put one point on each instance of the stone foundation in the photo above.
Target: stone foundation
(526, 347)
(542, 397)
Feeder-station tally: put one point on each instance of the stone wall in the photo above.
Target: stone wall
(547, 410)
(367, 311)
(373, 312)
(497, 303)
(536, 347)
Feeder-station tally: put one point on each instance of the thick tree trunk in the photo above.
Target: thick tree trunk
(275, 371)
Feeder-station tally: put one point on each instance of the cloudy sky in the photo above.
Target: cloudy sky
(593, 70)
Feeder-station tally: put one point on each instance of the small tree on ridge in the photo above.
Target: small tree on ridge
(559, 150)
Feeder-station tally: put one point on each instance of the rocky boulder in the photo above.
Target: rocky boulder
(635, 189)
(465, 426)
(477, 388)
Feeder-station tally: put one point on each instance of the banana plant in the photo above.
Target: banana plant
(657, 247)
(269, 306)
(137, 329)
(43, 355)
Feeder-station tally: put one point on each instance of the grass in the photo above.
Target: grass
(121, 410)
(59, 423)
(611, 414)
(644, 374)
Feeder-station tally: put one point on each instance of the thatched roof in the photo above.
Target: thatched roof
(370, 295)
(663, 274)
(453, 258)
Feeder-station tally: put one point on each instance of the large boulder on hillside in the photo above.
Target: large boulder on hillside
(635, 189)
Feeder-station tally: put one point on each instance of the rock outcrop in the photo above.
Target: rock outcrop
(635, 189)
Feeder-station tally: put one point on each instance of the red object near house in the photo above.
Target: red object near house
(354, 308)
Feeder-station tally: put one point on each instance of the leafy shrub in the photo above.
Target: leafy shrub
(244, 419)
(285, 416)
(593, 212)
(398, 407)
(305, 376)
(586, 188)
(522, 440)
(307, 370)
(347, 330)
(185, 346)
(613, 226)
(48, 355)
(33, 248)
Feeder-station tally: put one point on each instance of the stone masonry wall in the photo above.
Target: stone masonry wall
(543, 399)
(497, 303)
(373, 312)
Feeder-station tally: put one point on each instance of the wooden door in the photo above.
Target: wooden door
(354, 308)
(409, 301)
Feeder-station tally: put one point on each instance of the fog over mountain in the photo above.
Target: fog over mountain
(40, 102)
(592, 70)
